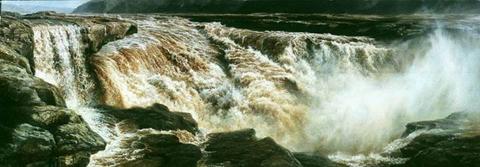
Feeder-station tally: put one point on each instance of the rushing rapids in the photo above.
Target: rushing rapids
(310, 92)
(226, 77)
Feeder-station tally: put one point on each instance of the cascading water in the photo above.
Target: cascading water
(226, 77)
(311, 92)
(60, 60)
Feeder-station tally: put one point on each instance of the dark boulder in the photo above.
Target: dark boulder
(243, 149)
(157, 117)
(150, 148)
(453, 122)
(455, 143)
(315, 160)
(19, 88)
(165, 150)
(29, 144)
(45, 135)
(443, 150)
(75, 140)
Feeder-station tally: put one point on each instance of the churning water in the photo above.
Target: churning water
(311, 92)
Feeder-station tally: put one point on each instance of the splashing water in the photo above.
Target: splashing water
(334, 93)
(365, 113)
(60, 60)
(311, 92)
(226, 77)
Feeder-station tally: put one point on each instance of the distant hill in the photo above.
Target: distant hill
(281, 6)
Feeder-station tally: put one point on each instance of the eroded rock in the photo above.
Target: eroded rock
(157, 117)
(46, 134)
(29, 144)
(165, 150)
(243, 149)
(315, 160)
(19, 88)
(455, 142)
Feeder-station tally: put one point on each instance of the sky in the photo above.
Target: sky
(31, 6)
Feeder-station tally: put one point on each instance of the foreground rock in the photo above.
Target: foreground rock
(451, 142)
(46, 135)
(315, 160)
(154, 135)
(148, 147)
(157, 117)
(19, 88)
(158, 137)
(34, 126)
(166, 150)
(243, 149)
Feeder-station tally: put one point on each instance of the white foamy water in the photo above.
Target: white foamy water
(60, 60)
(440, 81)
(346, 96)
(222, 81)
(334, 93)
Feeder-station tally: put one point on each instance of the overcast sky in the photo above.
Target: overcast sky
(30, 6)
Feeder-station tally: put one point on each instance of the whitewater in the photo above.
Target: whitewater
(347, 97)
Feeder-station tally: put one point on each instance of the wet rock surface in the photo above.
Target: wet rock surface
(169, 151)
(155, 149)
(157, 117)
(19, 88)
(16, 35)
(242, 149)
(30, 143)
(456, 142)
(315, 160)
(154, 135)
(49, 134)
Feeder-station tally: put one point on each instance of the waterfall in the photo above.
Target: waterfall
(60, 60)
(230, 78)
(311, 92)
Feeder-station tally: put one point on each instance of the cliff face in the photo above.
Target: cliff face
(281, 6)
